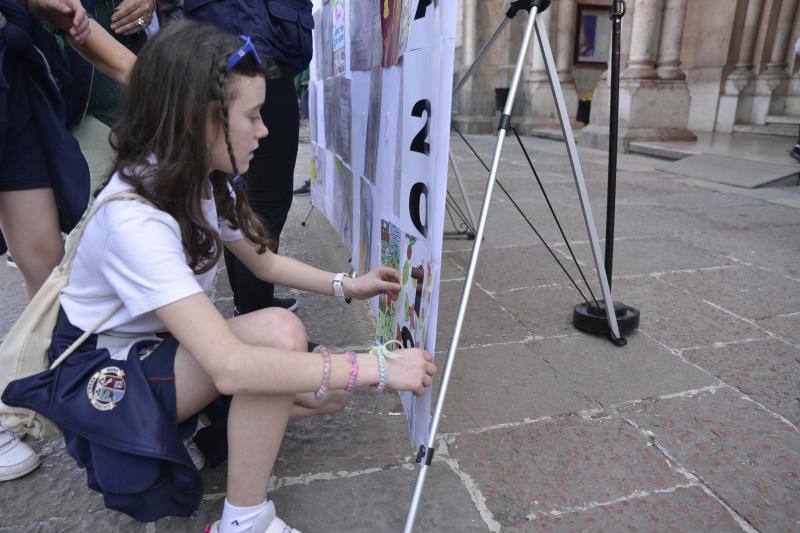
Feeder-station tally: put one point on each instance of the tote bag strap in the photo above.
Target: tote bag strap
(66, 264)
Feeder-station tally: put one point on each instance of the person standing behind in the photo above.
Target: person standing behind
(44, 179)
(280, 30)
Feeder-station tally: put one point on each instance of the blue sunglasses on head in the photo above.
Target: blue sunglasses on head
(238, 55)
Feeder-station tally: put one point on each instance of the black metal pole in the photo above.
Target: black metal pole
(588, 316)
(617, 12)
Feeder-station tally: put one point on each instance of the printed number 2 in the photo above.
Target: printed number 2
(419, 144)
(422, 8)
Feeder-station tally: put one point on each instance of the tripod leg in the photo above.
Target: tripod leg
(577, 173)
(425, 455)
(468, 74)
(470, 214)
(308, 215)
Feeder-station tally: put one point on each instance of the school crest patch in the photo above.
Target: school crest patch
(106, 388)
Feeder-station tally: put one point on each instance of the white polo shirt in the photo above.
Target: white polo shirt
(133, 252)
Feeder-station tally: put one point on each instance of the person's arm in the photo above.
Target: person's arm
(66, 15)
(106, 53)
(239, 368)
(292, 273)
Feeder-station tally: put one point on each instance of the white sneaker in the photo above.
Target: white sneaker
(16, 457)
(260, 525)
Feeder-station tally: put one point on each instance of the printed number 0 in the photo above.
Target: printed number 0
(419, 144)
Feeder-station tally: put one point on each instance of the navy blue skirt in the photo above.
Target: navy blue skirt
(118, 416)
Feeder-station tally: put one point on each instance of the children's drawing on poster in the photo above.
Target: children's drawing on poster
(373, 123)
(312, 111)
(318, 177)
(413, 304)
(390, 31)
(405, 25)
(331, 112)
(326, 32)
(342, 141)
(319, 52)
(365, 31)
(390, 257)
(365, 228)
(343, 201)
(338, 37)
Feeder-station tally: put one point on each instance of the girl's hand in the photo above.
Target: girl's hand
(381, 280)
(125, 20)
(414, 371)
(67, 15)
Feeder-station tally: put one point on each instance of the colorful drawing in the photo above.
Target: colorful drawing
(390, 257)
(411, 316)
(338, 37)
(390, 31)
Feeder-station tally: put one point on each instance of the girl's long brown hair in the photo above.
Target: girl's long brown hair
(177, 83)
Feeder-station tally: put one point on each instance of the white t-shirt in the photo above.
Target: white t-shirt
(133, 252)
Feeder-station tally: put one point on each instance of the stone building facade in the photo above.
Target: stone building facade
(688, 66)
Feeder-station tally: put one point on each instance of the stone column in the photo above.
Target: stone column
(777, 59)
(743, 69)
(669, 51)
(773, 83)
(641, 64)
(651, 108)
(468, 49)
(736, 101)
(564, 44)
(565, 39)
(539, 110)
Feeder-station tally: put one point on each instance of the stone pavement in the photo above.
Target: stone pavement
(692, 426)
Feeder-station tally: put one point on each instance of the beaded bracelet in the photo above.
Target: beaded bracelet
(326, 371)
(351, 383)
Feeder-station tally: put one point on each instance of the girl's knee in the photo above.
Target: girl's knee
(282, 329)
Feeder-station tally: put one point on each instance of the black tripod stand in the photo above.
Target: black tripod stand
(592, 316)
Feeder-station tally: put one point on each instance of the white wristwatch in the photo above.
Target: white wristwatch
(338, 288)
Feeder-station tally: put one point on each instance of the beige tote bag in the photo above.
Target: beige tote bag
(23, 352)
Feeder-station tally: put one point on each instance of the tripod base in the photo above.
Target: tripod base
(593, 319)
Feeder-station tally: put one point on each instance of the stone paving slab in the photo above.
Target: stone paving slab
(374, 502)
(647, 255)
(485, 322)
(500, 384)
(750, 460)
(560, 464)
(610, 375)
(515, 267)
(677, 319)
(766, 370)
(747, 291)
(544, 311)
(683, 509)
(785, 326)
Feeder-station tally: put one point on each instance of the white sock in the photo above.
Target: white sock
(240, 519)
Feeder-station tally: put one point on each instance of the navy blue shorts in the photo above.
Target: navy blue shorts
(118, 416)
(22, 162)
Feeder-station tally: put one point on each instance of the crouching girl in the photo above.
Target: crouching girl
(129, 396)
